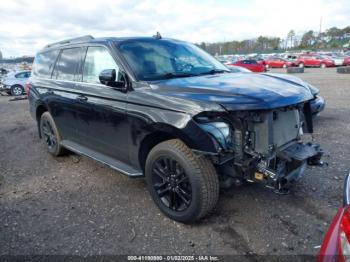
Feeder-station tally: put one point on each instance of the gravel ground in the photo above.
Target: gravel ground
(74, 206)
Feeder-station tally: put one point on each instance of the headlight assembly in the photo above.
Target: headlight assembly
(220, 131)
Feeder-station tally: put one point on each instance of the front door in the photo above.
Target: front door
(101, 109)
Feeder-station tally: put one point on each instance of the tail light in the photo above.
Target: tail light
(27, 87)
(336, 244)
(344, 236)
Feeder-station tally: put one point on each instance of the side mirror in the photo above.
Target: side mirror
(107, 76)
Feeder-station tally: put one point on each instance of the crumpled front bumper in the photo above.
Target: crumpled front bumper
(292, 161)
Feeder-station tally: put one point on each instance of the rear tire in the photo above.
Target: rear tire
(50, 134)
(301, 65)
(17, 90)
(322, 65)
(183, 185)
(285, 66)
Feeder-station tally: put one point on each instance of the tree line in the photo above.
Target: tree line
(331, 38)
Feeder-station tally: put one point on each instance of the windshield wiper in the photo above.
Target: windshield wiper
(176, 75)
(214, 71)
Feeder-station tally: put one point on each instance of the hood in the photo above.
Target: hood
(293, 79)
(237, 91)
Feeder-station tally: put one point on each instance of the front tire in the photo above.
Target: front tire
(50, 134)
(301, 65)
(285, 66)
(17, 90)
(183, 185)
(323, 65)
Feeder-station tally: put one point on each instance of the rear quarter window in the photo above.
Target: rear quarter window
(44, 63)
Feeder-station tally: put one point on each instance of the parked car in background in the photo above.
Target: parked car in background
(260, 60)
(313, 61)
(169, 111)
(336, 243)
(238, 69)
(14, 82)
(291, 57)
(227, 61)
(347, 60)
(337, 59)
(250, 64)
(277, 62)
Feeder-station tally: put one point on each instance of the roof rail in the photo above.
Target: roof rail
(71, 40)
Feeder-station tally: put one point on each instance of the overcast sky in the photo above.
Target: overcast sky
(27, 25)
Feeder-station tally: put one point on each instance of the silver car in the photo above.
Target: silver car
(13, 83)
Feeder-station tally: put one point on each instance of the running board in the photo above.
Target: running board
(109, 161)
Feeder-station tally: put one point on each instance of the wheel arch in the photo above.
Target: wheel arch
(17, 85)
(192, 136)
(40, 109)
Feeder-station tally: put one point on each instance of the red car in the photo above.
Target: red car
(313, 61)
(336, 244)
(252, 65)
(347, 60)
(277, 62)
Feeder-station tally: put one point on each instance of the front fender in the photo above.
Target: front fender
(147, 121)
(191, 134)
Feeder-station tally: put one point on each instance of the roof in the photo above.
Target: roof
(91, 39)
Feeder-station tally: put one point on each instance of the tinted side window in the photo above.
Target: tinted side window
(44, 62)
(97, 59)
(20, 75)
(67, 64)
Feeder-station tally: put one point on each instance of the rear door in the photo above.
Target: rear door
(101, 109)
(62, 92)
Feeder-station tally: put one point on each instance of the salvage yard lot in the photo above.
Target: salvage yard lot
(73, 205)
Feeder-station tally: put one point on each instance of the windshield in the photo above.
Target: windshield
(155, 59)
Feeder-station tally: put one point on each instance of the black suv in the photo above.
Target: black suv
(167, 110)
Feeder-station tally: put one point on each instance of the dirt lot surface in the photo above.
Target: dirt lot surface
(73, 205)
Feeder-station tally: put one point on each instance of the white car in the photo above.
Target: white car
(13, 83)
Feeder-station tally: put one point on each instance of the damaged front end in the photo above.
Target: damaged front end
(262, 145)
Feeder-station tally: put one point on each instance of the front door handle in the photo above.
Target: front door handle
(82, 98)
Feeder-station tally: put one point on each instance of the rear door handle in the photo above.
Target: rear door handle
(82, 98)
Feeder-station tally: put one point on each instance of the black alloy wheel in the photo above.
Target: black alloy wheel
(171, 184)
(48, 134)
(183, 185)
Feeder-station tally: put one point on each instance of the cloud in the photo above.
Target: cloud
(27, 25)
